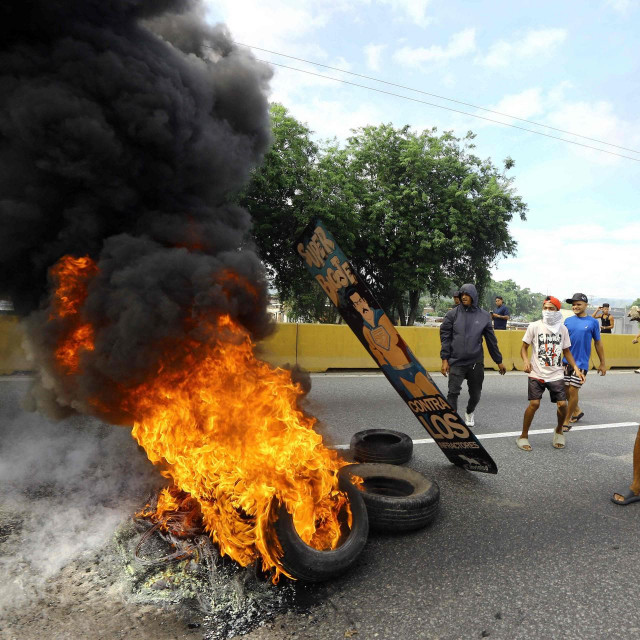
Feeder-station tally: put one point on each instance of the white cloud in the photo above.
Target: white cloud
(565, 259)
(622, 6)
(461, 43)
(270, 24)
(333, 118)
(536, 43)
(597, 120)
(526, 104)
(374, 53)
(416, 10)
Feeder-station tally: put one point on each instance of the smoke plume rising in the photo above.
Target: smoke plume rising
(125, 125)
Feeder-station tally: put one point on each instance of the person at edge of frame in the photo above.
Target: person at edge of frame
(549, 340)
(461, 334)
(632, 494)
(582, 330)
(500, 315)
(607, 321)
(635, 341)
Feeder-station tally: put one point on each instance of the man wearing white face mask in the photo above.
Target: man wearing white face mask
(549, 339)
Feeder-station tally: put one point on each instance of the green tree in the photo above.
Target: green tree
(635, 303)
(521, 302)
(278, 197)
(415, 212)
(430, 213)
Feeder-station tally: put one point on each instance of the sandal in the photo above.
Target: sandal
(523, 443)
(576, 418)
(558, 440)
(628, 496)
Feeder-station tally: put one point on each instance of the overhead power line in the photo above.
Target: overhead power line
(433, 95)
(439, 106)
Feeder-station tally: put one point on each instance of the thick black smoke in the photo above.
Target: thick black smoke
(125, 125)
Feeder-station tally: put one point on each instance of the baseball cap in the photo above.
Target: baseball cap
(577, 297)
(554, 301)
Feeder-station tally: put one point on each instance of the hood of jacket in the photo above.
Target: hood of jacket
(470, 290)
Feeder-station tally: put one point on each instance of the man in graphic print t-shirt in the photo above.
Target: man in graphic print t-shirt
(549, 340)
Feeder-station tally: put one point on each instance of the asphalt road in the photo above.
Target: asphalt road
(537, 551)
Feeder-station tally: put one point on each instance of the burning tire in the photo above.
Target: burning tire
(381, 445)
(397, 498)
(306, 563)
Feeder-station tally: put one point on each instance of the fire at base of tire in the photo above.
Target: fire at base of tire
(397, 498)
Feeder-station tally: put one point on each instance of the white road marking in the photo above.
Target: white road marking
(437, 374)
(532, 432)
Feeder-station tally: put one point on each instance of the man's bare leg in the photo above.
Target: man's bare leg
(562, 413)
(572, 397)
(529, 412)
(576, 412)
(635, 485)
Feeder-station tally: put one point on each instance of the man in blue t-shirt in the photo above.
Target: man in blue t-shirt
(500, 314)
(582, 330)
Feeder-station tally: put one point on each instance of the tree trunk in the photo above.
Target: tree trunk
(414, 302)
(403, 318)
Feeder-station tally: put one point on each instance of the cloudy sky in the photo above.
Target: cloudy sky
(571, 66)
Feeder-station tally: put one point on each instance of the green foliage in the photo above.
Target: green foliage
(635, 303)
(415, 212)
(522, 303)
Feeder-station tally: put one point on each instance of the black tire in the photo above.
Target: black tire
(306, 563)
(397, 498)
(381, 445)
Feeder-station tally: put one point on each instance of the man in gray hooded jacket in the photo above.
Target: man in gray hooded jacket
(461, 351)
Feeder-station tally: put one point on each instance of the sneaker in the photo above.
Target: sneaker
(637, 371)
(468, 419)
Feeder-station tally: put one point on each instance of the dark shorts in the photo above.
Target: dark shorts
(556, 389)
(570, 377)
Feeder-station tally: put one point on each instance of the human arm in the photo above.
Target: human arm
(602, 369)
(492, 345)
(446, 336)
(613, 322)
(524, 354)
(597, 313)
(567, 354)
(635, 340)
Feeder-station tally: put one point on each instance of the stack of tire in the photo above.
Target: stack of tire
(397, 498)
(383, 496)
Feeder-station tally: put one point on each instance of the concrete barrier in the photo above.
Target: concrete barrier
(12, 355)
(318, 347)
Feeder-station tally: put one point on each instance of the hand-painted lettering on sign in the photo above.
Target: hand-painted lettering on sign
(334, 273)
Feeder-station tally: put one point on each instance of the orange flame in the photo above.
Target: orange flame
(226, 429)
(72, 276)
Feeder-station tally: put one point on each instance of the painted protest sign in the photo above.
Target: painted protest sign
(359, 309)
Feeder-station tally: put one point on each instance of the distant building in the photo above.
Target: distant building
(274, 308)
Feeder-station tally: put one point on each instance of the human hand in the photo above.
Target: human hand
(502, 369)
(527, 366)
(444, 369)
(580, 375)
(602, 370)
(635, 341)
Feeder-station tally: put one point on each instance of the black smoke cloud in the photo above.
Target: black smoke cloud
(125, 126)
